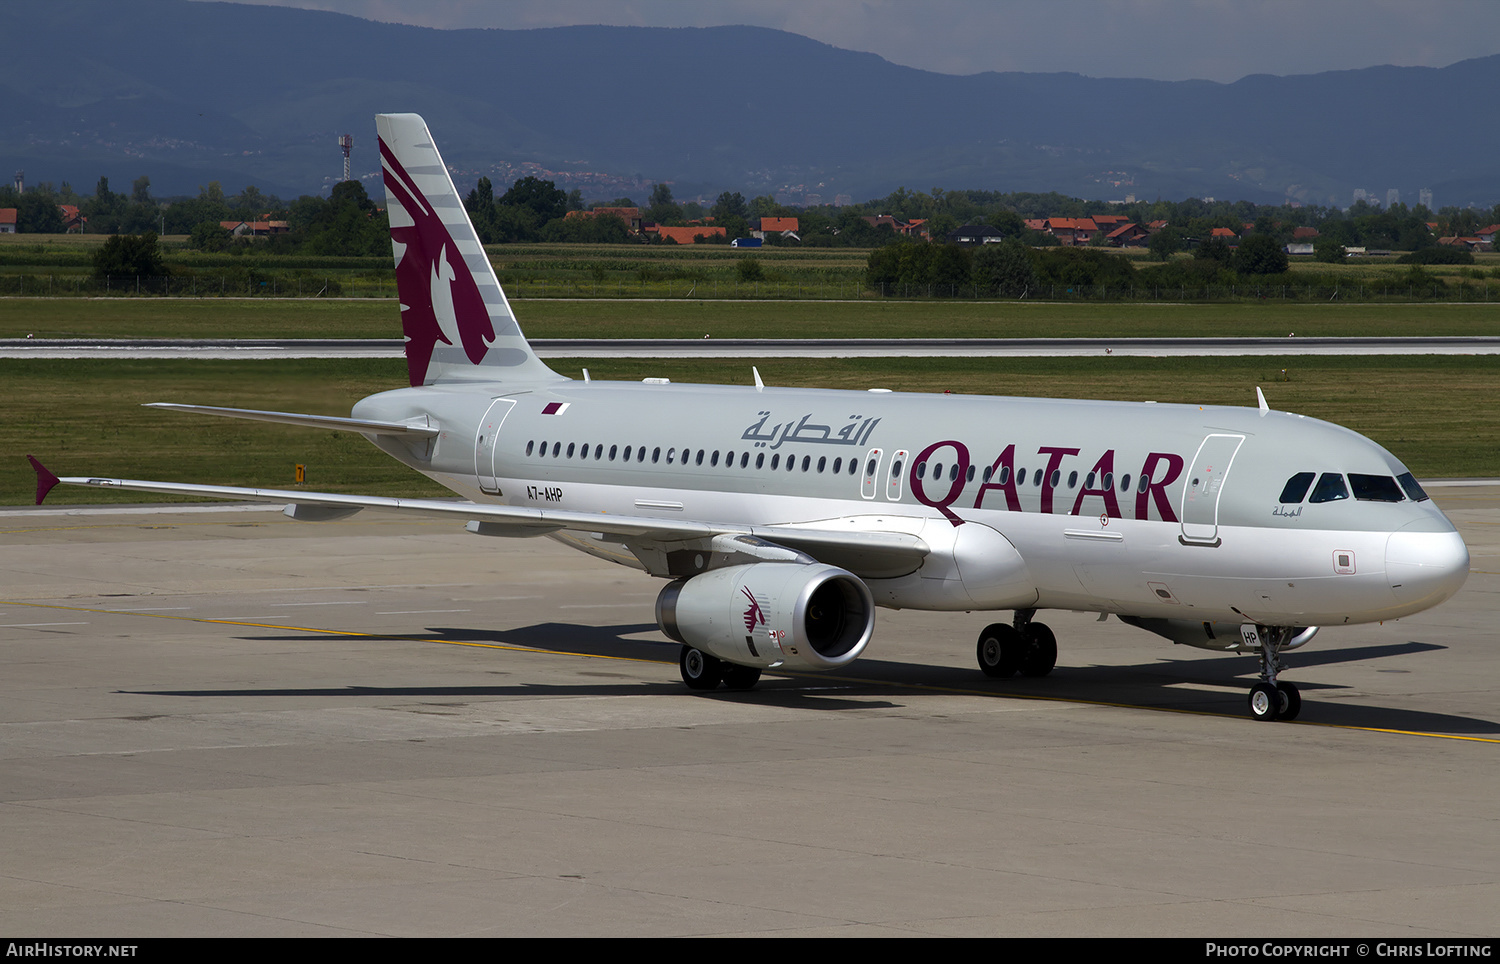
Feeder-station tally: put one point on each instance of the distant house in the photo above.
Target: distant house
(687, 234)
(1073, 231)
(915, 228)
(8, 220)
(1304, 233)
(783, 227)
(1036, 224)
(1226, 235)
(1128, 235)
(1298, 247)
(1487, 235)
(969, 235)
(72, 220)
(255, 229)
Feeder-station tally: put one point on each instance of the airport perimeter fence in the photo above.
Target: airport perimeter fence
(377, 285)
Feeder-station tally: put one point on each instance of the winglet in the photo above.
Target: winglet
(1260, 397)
(45, 480)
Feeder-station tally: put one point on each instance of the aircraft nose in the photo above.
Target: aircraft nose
(1424, 566)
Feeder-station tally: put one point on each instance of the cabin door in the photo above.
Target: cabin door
(1204, 485)
(484, 443)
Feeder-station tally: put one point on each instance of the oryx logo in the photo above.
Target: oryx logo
(439, 300)
(753, 615)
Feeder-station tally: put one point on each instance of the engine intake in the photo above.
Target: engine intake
(771, 614)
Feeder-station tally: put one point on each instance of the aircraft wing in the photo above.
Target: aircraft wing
(362, 425)
(865, 553)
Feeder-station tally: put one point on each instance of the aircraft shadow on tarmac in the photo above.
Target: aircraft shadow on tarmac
(1208, 685)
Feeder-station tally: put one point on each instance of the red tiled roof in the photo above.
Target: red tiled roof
(8, 215)
(689, 234)
(778, 224)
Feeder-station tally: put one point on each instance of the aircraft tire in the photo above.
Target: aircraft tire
(1265, 701)
(999, 650)
(737, 677)
(700, 671)
(1040, 654)
(1291, 701)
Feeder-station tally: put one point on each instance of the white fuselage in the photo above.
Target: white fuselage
(1154, 511)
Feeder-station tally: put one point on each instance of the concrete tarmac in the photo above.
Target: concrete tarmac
(220, 722)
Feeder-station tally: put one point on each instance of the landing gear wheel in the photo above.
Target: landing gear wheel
(1265, 701)
(1040, 654)
(1291, 702)
(999, 650)
(700, 671)
(737, 677)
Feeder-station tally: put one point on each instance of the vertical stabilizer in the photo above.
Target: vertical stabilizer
(457, 323)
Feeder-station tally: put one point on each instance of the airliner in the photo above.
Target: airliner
(781, 518)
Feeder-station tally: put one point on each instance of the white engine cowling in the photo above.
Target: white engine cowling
(771, 614)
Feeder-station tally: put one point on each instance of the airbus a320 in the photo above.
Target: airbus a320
(781, 518)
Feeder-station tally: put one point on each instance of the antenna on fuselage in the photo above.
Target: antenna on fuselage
(760, 386)
(1260, 397)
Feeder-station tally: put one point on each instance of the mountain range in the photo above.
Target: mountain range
(191, 92)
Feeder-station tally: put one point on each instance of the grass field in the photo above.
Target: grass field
(84, 417)
(551, 318)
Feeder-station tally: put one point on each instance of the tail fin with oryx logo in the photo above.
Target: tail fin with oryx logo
(456, 320)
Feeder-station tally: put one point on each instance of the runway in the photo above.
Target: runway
(253, 349)
(217, 721)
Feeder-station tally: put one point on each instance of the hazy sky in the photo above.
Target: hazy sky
(1220, 40)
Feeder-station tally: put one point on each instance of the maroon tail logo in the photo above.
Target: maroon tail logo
(753, 616)
(441, 302)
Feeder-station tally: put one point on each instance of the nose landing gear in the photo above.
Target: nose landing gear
(1272, 699)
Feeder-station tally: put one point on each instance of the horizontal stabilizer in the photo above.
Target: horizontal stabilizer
(364, 426)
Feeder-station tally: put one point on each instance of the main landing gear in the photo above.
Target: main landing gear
(701, 671)
(1271, 699)
(1023, 647)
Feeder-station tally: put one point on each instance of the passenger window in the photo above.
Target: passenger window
(760, 460)
(1374, 488)
(744, 459)
(822, 463)
(1330, 488)
(1296, 488)
(570, 450)
(1412, 489)
(714, 461)
(530, 446)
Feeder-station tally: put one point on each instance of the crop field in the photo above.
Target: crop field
(590, 318)
(60, 266)
(84, 417)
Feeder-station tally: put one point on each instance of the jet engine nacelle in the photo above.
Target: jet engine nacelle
(771, 614)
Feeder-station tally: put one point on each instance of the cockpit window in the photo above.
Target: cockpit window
(1413, 490)
(1374, 488)
(1296, 488)
(1330, 488)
